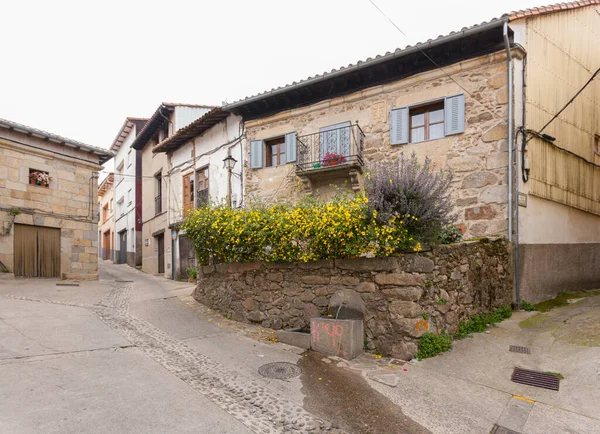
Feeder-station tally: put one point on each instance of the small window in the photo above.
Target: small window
(39, 177)
(104, 212)
(275, 152)
(202, 187)
(597, 144)
(426, 123)
(158, 193)
(165, 130)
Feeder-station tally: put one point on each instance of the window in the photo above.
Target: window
(275, 152)
(428, 121)
(105, 212)
(165, 130)
(188, 193)
(129, 158)
(158, 193)
(202, 187)
(597, 144)
(111, 206)
(129, 197)
(39, 177)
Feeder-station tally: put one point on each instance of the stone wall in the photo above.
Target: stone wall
(478, 156)
(404, 296)
(65, 204)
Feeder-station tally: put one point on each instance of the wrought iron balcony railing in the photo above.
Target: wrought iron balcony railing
(330, 148)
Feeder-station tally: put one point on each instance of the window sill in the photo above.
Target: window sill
(445, 138)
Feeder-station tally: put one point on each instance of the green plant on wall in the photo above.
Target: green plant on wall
(12, 213)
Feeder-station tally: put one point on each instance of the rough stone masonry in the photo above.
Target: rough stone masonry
(404, 296)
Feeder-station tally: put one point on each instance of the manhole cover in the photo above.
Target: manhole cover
(279, 370)
(518, 349)
(537, 379)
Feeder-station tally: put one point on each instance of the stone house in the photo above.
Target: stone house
(157, 253)
(460, 99)
(106, 218)
(48, 204)
(195, 159)
(127, 194)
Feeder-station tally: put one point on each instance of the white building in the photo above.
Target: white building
(156, 187)
(127, 194)
(197, 175)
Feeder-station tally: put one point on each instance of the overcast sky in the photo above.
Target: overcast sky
(78, 68)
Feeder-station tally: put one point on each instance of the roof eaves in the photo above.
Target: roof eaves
(466, 31)
(543, 10)
(195, 129)
(103, 154)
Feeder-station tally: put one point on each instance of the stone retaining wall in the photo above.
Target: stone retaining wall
(403, 296)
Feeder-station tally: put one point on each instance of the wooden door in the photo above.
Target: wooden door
(37, 251)
(160, 241)
(106, 243)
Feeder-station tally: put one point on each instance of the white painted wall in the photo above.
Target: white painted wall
(210, 150)
(124, 181)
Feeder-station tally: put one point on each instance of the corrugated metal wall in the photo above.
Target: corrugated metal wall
(185, 115)
(563, 53)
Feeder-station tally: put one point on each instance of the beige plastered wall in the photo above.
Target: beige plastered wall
(153, 223)
(66, 204)
(478, 157)
(109, 223)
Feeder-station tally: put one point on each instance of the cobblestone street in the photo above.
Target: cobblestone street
(134, 353)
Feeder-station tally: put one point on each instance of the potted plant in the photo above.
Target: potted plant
(39, 178)
(333, 159)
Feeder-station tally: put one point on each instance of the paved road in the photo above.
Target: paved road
(134, 353)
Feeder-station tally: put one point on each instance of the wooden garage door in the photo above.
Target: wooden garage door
(37, 251)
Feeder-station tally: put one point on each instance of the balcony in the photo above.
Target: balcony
(332, 153)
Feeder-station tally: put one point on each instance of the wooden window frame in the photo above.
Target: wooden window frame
(426, 124)
(188, 205)
(280, 142)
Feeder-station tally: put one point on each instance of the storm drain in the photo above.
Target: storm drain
(67, 284)
(123, 281)
(518, 349)
(280, 370)
(537, 379)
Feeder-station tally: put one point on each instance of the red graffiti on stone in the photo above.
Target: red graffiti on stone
(333, 331)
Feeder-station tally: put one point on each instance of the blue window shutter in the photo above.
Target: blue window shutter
(399, 126)
(290, 147)
(454, 111)
(256, 154)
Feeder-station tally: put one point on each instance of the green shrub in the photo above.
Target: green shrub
(309, 231)
(526, 306)
(480, 322)
(431, 344)
(192, 273)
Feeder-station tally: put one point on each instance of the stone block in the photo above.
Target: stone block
(405, 309)
(412, 327)
(16, 194)
(347, 304)
(464, 164)
(497, 132)
(411, 293)
(342, 337)
(494, 194)
(497, 160)
(366, 287)
(275, 277)
(345, 280)
(248, 304)
(326, 263)
(418, 264)
(367, 264)
(397, 279)
(298, 337)
(479, 179)
(484, 212)
(314, 280)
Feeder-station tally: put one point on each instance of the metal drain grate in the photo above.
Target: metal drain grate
(518, 349)
(280, 370)
(67, 284)
(533, 378)
(123, 281)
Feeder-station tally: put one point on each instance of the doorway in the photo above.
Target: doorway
(37, 251)
(106, 243)
(160, 242)
(122, 247)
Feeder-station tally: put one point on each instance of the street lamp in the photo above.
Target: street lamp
(229, 163)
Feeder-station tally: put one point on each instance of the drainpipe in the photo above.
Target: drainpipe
(510, 128)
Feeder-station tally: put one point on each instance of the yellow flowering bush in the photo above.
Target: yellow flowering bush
(308, 231)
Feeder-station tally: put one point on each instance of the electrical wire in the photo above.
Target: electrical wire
(571, 100)
(434, 62)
